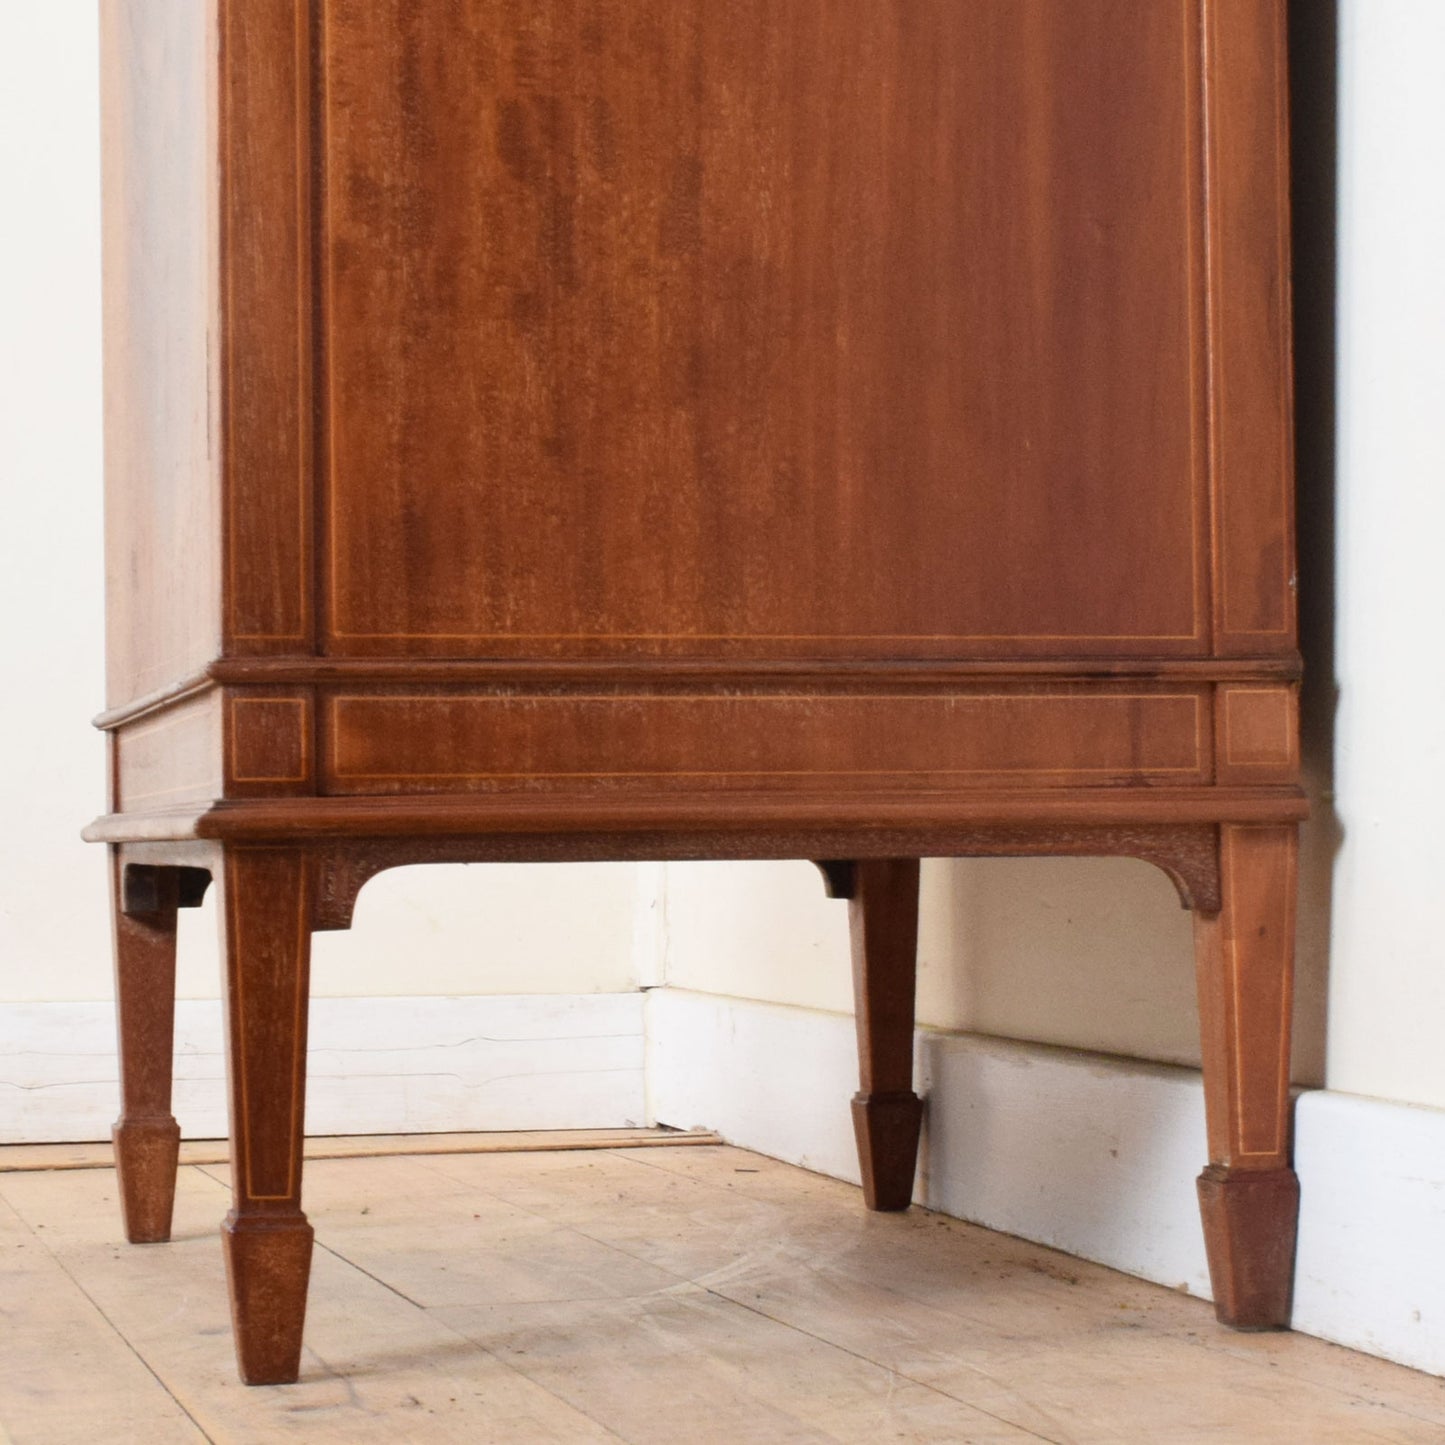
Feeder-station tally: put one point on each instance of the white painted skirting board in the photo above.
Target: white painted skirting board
(1371, 1266)
(1095, 1156)
(376, 1066)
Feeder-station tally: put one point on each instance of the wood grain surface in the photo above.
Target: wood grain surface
(763, 331)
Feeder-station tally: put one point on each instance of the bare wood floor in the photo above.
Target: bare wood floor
(638, 1294)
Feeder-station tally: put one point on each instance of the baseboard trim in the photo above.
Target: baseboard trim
(1093, 1155)
(376, 1066)
(1371, 1270)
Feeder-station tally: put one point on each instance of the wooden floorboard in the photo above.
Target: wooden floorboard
(57, 1343)
(637, 1294)
(17, 1158)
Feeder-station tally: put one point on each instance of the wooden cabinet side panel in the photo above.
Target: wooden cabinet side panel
(160, 320)
(170, 757)
(1249, 325)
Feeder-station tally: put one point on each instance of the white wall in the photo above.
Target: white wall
(1387, 975)
(52, 924)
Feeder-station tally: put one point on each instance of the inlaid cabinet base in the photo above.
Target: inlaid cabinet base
(275, 893)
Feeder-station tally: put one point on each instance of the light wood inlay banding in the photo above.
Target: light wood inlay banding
(1252, 455)
(265, 242)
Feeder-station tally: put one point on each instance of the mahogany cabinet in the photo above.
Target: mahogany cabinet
(853, 430)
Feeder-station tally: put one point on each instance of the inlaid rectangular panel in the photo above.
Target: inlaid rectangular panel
(728, 326)
(436, 741)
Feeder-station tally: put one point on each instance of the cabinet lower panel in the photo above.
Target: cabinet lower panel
(416, 742)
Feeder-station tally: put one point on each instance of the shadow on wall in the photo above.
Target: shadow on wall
(1096, 954)
(1314, 92)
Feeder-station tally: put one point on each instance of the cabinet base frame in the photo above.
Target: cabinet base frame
(1237, 876)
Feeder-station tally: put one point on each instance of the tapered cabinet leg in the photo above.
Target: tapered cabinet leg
(146, 1135)
(1249, 1195)
(883, 921)
(266, 934)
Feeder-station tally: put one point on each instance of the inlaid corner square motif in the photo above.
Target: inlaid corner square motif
(1260, 729)
(269, 740)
